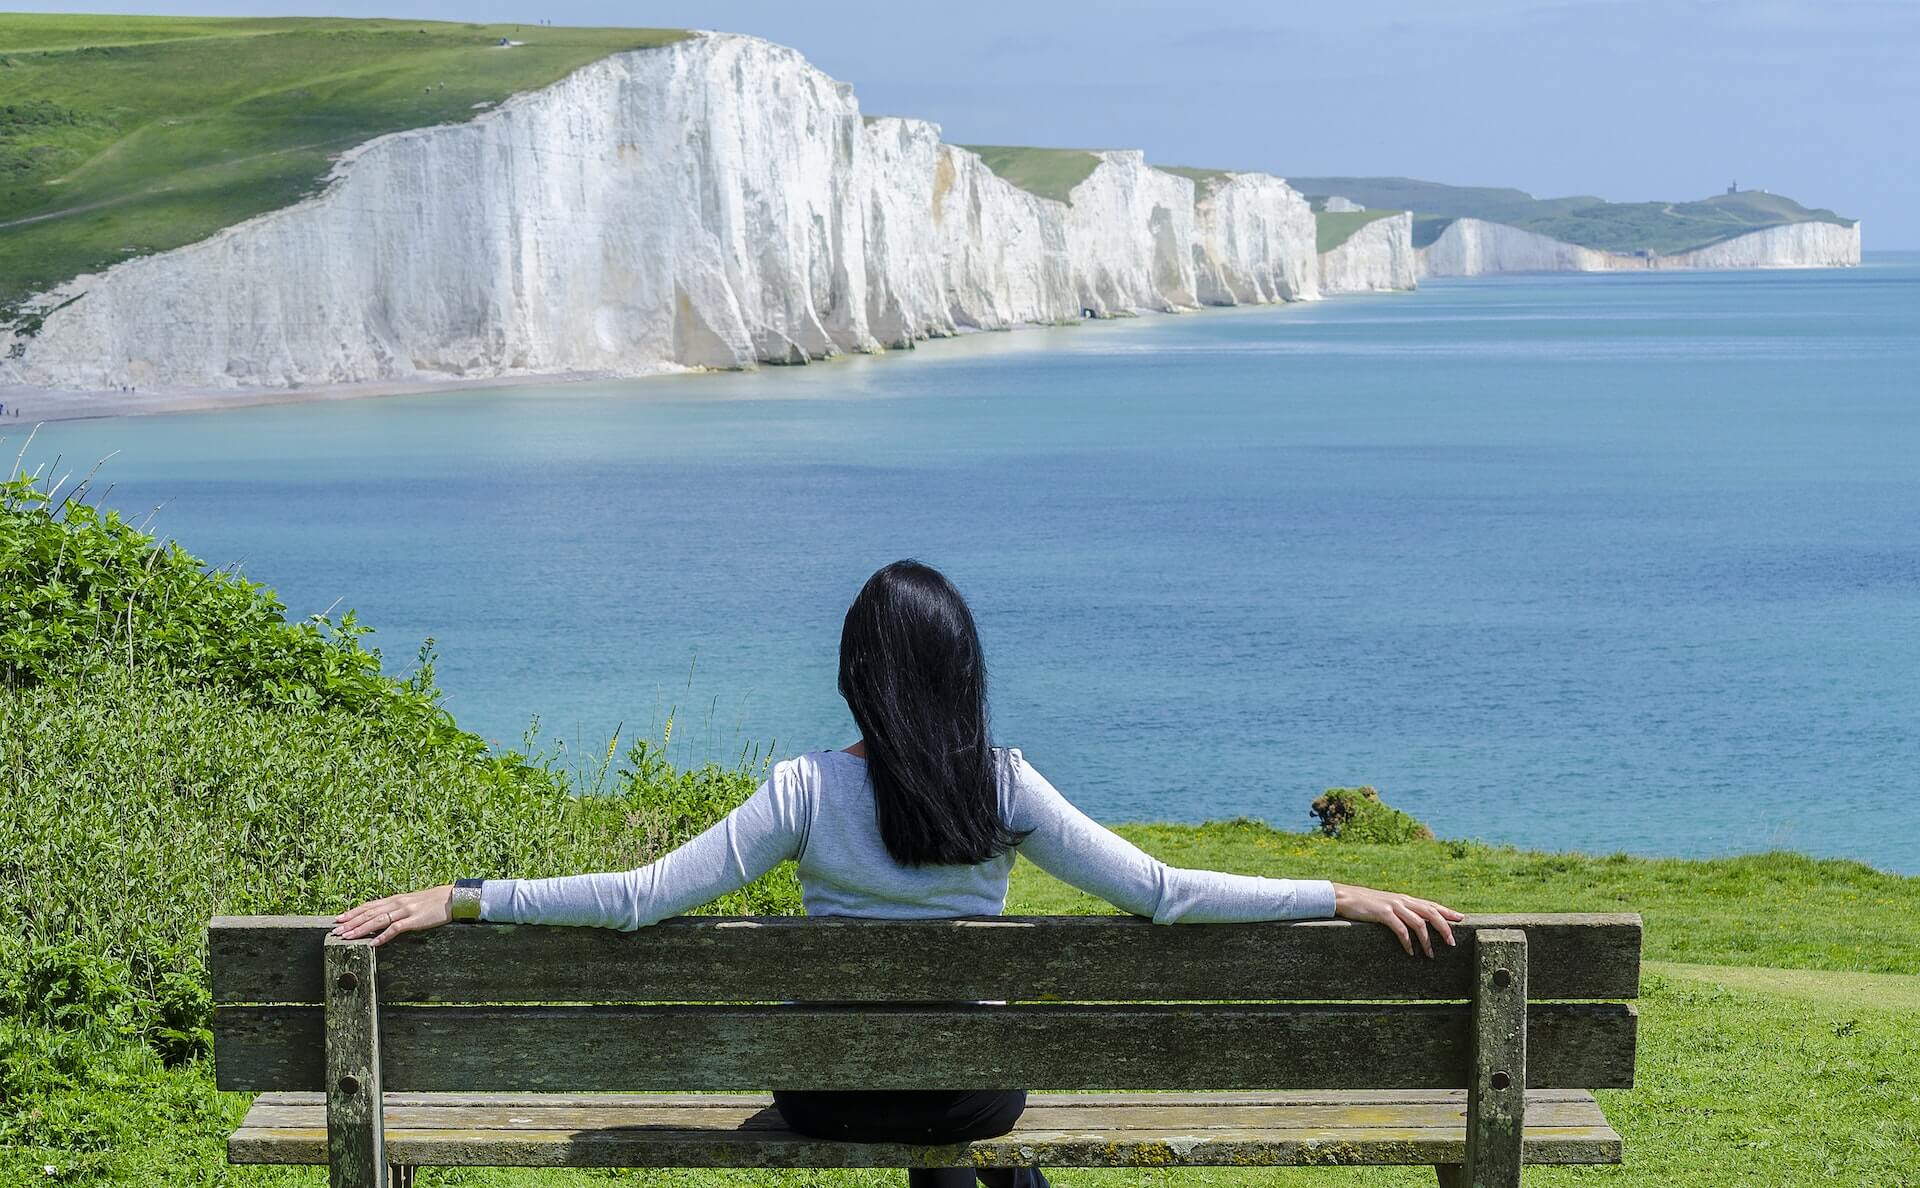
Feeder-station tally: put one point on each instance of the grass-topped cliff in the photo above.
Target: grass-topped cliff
(1048, 172)
(1201, 178)
(172, 747)
(1662, 227)
(1334, 227)
(123, 135)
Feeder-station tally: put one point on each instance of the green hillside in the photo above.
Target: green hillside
(1048, 172)
(1333, 228)
(125, 135)
(1664, 227)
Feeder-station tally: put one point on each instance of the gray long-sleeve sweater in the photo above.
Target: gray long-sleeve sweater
(818, 808)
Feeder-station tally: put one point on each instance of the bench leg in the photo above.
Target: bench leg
(399, 1176)
(1452, 1175)
(1497, 1095)
(356, 1134)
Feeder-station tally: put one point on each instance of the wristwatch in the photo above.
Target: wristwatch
(464, 904)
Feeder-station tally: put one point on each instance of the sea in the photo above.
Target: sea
(1604, 563)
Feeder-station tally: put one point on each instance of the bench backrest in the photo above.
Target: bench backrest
(726, 1004)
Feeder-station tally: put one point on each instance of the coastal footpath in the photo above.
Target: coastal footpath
(711, 203)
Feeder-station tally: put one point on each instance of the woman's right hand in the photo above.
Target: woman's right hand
(1405, 915)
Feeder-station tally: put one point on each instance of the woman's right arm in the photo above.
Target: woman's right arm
(745, 844)
(1066, 843)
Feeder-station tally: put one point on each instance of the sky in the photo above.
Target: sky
(1629, 100)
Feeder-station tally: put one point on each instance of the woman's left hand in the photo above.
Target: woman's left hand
(389, 917)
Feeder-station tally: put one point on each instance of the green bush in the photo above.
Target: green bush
(171, 748)
(1359, 815)
(82, 588)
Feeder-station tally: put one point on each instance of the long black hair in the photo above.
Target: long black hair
(913, 674)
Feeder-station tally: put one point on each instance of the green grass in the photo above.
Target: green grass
(1873, 991)
(1779, 909)
(121, 136)
(1048, 172)
(1200, 177)
(171, 748)
(1333, 228)
(1664, 227)
(1754, 1073)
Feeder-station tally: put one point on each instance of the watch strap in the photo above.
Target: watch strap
(464, 904)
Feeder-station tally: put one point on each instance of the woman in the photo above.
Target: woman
(920, 818)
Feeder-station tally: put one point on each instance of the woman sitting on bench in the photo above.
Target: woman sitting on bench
(919, 819)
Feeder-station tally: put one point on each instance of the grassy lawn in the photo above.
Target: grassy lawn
(121, 136)
(1664, 227)
(1780, 1030)
(1333, 228)
(1048, 172)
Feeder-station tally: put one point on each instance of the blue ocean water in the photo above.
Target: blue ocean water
(1595, 562)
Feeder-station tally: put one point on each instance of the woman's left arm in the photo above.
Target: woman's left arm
(747, 843)
(1071, 846)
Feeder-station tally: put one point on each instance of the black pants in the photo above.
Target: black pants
(927, 1117)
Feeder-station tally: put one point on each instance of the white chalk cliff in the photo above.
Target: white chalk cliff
(1476, 247)
(716, 202)
(1253, 241)
(1377, 258)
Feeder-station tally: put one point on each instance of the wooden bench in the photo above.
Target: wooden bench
(1305, 1043)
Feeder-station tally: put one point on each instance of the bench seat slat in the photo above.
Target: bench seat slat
(1040, 1115)
(1270, 1046)
(1036, 959)
(1287, 1097)
(1057, 1130)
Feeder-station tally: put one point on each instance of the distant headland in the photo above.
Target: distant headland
(204, 205)
(1470, 230)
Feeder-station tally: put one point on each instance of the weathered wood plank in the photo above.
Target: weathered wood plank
(585, 1049)
(1288, 1097)
(1035, 959)
(356, 1154)
(1078, 1148)
(1496, 1097)
(1116, 1118)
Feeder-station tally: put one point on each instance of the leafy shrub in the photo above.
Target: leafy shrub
(80, 586)
(1359, 815)
(171, 749)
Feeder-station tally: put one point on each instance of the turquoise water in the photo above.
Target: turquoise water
(1606, 562)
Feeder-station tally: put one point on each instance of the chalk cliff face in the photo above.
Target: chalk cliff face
(1471, 247)
(1130, 236)
(1793, 245)
(1378, 258)
(1253, 242)
(1475, 247)
(712, 203)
